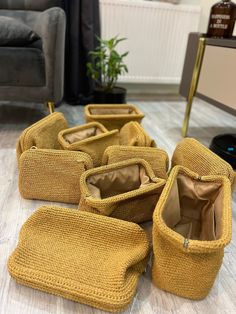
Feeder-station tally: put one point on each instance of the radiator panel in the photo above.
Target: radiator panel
(156, 33)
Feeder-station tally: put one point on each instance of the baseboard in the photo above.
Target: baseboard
(152, 92)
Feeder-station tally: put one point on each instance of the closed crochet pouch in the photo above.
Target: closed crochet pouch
(113, 116)
(157, 158)
(198, 158)
(42, 134)
(80, 256)
(91, 138)
(133, 134)
(126, 190)
(192, 224)
(52, 175)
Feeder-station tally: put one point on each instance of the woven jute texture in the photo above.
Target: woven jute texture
(112, 116)
(42, 134)
(80, 256)
(133, 134)
(156, 157)
(126, 190)
(92, 138)
(198, 158)
(182, 265)
(52, 175)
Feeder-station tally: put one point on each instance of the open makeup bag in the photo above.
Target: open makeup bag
(126, 190)
(112, 116)
(191, 226)
(92, 138)
(113, 170)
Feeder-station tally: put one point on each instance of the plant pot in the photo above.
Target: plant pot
(115, 96)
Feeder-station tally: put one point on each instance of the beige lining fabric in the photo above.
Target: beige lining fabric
(194, 209)
(111, 111)
(91, 138)
(118, 181)
(82, 134)
(113, 116)
(125, 190)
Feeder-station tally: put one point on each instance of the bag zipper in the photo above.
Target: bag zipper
(186, 243)
(37, 125)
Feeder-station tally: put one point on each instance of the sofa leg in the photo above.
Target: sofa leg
(194, 84)
(51, 106)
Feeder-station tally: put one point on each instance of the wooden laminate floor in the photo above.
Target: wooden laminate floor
(163, 121)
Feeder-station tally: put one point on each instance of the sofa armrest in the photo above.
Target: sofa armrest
(50, 26)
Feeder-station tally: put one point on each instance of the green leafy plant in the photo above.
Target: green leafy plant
(106, 63)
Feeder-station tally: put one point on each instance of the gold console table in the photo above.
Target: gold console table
(209, 74)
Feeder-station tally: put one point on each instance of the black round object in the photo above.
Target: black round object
(225, 147)
(115, 96)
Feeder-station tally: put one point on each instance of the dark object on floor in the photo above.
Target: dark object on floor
(115, 96)
(225, 147)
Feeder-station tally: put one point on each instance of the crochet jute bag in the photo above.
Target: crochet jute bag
(92, 138)
(191, 226)
(52, 175)
(126, 190)
(133, 134)
(112, 116)
(157, 158)
(198, 158)
(42, 134)
(80, 256)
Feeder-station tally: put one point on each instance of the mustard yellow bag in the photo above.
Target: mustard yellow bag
(112, 116)
(126, 190)
(192, 224)
(80, 256)
(42, 134)
(156, 157)
(92, 138)
(133, 134)
(52, 175)
(198, 158)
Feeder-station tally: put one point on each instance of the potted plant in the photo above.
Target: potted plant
(105, 67)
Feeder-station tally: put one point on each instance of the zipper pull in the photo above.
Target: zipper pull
(186, 243)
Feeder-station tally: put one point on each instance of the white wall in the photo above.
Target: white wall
(206, 7)
(190, 1)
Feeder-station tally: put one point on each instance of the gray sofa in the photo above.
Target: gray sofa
(34, 73)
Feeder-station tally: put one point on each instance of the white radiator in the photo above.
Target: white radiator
(156, 37)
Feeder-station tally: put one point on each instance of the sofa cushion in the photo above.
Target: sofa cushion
(34, 5)
(21, 67)
(15, 33)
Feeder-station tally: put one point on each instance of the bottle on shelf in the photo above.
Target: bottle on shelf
(222, 19)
